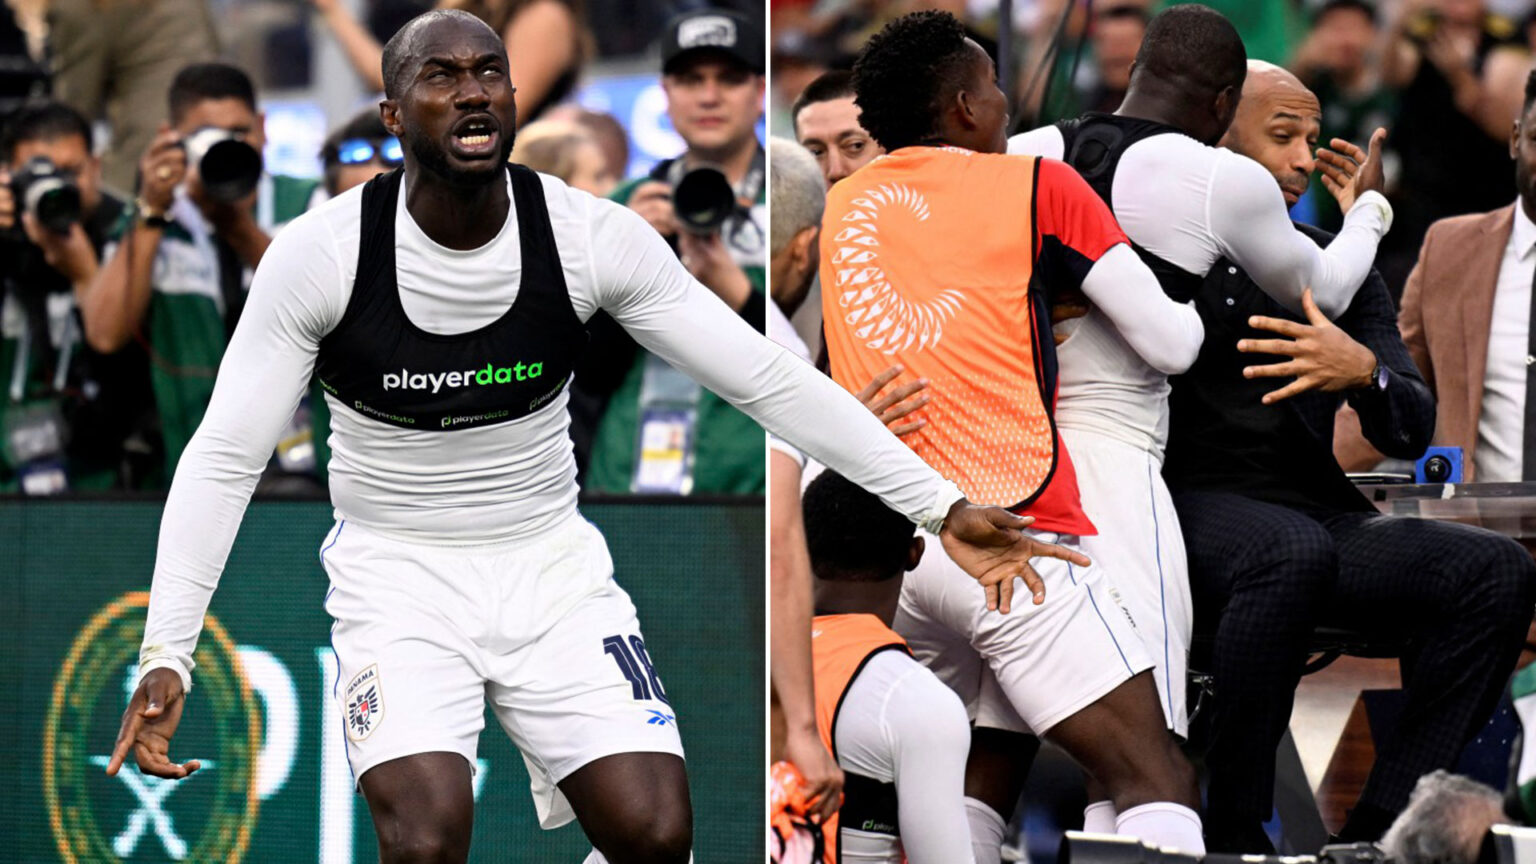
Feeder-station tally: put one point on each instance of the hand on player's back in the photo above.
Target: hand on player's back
(990, 544)
(148, 724)
(896, 404)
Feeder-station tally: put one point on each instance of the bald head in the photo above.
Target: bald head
(1277, 124)
(410, 43)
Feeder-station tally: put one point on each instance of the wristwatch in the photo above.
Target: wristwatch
(1379, 378)
(149, 216)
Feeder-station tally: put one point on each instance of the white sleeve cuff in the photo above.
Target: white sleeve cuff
(945, 498)
(1373, 203)
(183, 670)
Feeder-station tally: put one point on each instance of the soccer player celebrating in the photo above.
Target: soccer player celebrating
(939, 256)
(442, 306)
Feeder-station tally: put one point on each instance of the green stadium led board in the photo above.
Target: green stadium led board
(275, 787)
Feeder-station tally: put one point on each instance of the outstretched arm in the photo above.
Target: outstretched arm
(266, 369)
(1251, 225)
(641, 284)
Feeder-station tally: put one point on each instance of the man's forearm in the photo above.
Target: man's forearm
(791, 597)
(114, 303)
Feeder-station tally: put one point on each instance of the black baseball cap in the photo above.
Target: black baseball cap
(721, 30)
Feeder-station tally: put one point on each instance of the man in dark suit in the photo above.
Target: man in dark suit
(1278, 539)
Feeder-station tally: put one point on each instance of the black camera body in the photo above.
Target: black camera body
(47, 193)
(228, 167)
(703, 200)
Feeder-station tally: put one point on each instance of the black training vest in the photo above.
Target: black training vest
(1093, 144)
(379, 364)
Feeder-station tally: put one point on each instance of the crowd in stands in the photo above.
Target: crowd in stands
(116, 315)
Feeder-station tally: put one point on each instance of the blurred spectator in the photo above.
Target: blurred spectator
(22, 75)
(566, 151)
(1115, 34)
(1466, 317)
(177, 275)
(1459, 72)
(826, 123)
(73, 418)
(117, 58)
(1445, 822)
(712, 74)
(796, 63)
(1335, 62)
(359, 151)
(1271, 29)
(608, 132)
(547, 43)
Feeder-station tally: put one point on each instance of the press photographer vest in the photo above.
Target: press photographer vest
(1094, 144)
(381, 365)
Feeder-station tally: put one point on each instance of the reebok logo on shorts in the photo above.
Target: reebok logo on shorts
(364, 699)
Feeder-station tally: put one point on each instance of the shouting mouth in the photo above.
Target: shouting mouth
(476, 137)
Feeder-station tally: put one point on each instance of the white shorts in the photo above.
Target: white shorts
(1034, 667)
(425, 634)
(1141, 548)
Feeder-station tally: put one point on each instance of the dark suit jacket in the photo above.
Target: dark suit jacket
(1223, 439)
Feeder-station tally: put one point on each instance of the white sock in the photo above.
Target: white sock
(987, 829)
(1165, 824)
(1099, 817)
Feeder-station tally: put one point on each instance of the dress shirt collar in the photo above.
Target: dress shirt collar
(1523, 236)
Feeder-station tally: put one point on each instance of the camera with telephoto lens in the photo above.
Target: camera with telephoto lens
(47, 193)
(229, 167)
(703, 199)
(1080, 848)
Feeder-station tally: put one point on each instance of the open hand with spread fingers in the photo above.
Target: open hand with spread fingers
(991, 545)
(1322, 356)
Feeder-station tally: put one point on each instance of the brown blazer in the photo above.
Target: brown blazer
(1446, 314)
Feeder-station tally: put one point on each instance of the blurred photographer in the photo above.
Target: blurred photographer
(661, 433)
(176, 276)
(71, 416)
(357, 152)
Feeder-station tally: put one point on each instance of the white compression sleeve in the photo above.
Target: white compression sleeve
(642, 284)
(931, 736)
(1165, 824)
(1249, 220)
(987, 829)
(293, 301)
(1166, 334)
(1099, 817)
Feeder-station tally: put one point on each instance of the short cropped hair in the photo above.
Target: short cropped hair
(44, 121)
(851, 535)
(828, 87)
(904, 75)
(201, 82)
(797, 190)
(1195, 45)
(401, 47)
